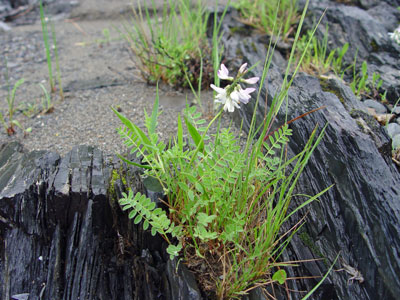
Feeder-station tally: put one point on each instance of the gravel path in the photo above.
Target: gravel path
(96, 75)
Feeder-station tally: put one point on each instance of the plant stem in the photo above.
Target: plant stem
(46, 44)
(53, 33)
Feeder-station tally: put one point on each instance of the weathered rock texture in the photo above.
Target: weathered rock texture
(366, 30)
(61, 237)
(359, 217)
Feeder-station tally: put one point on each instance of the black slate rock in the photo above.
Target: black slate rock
(63, 237)
(359, 217)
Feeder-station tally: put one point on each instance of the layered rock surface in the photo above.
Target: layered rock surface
(63, 238)
(359, 217)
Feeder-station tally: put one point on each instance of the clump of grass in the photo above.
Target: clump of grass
(317, 60)
(45, 33)
(363, 85)
(174, 46)
(10, 98)
(271, 17)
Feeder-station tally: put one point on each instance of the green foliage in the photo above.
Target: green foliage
(143, 209)
(226, 202)
(271, 16)
(317, 60)
(280, 276)
(10, 98)
(167, 46)
(359, 83)
(46, 100)
(363, 85)
(45, 33)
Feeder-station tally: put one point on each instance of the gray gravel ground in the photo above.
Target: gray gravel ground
(95, 76)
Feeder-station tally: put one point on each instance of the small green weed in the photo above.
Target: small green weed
(9, 128)
(317, 61)
(362, 85)
(46, 100)
(226, 207)
(28, 109)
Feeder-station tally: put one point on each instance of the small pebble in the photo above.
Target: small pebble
(393, 129)
(383, 119)
(396, 110)
(396, 142)
(378, 107)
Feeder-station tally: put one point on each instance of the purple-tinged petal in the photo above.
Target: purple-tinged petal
(242, 68)
(245, 95)
(223, 73)
(251, 80)
(248, 90)
(218, 89)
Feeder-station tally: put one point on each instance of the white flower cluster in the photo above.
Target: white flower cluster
(395, 35)
(232, 95)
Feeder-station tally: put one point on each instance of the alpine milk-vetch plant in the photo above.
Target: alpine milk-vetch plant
(226, 203)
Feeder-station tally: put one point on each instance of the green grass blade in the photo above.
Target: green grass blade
(58, 70)
(134, 129)
(133, 163)
(12, 98)
(321, 281)
(47, 97)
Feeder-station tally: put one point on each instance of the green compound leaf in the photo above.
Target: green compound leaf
(173, 251)
(280, 276)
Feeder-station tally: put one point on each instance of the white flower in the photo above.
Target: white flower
(242, 71)
(395, 35)
(244, 94)
(232, 95)
(223, 73)
(229, 101)
(232, 100)
(251, 80)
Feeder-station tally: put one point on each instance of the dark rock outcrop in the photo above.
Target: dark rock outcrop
(359, 217)
(366, 31)
(61, 237)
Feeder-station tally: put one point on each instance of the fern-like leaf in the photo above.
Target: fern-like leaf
(143, 209)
